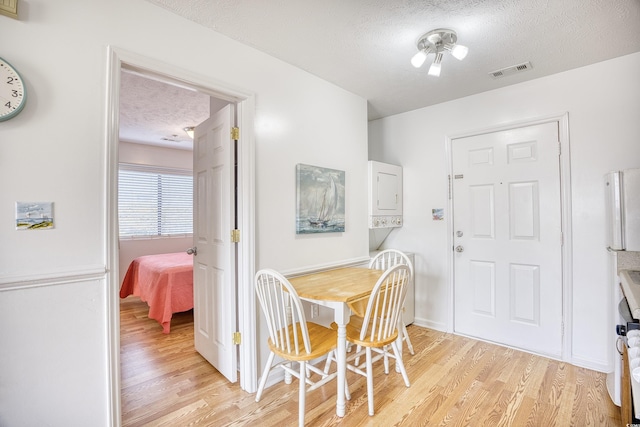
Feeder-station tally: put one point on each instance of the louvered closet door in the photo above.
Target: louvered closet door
(507, 226)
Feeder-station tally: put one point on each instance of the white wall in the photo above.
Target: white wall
(55, 151)
(603, 102)
(151, 155)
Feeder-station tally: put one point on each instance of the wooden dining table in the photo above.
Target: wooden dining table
(338, 289)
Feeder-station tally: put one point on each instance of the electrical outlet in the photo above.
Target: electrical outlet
(314, 311)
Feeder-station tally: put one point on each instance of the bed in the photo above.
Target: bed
(164, 282)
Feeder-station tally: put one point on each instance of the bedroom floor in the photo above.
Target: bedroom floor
(455, 381)
(162, 376)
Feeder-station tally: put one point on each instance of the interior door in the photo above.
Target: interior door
(214, 272)
(508, 237)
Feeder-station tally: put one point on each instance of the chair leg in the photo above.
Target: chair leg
(347, 393)
(407, 339)
(386, 360)
(327, 364)
(302, 393)
(327, 367)
(403, 336)
(287, 375)
(369, 380)
(357, 359)
(399, 363)
(265, 375)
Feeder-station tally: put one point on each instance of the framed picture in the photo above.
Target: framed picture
(320, 200)
(34, 215)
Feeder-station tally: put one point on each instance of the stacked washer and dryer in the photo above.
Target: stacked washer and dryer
(385, 214)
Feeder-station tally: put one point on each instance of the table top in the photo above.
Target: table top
(343, 284)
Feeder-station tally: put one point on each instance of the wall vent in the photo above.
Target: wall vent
(526, 66)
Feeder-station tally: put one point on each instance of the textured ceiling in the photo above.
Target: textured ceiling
(156, 113)
(364, 46)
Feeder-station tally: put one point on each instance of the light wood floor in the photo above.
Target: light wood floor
(455, 381)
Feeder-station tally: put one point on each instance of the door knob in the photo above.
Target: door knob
(459, 248)
(192, 251)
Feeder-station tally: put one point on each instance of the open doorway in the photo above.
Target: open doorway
(154, 146)
(246, 321)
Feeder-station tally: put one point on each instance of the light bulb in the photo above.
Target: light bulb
(459, 52)
(419, 58)
(435, 68)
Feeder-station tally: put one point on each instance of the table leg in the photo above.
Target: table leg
(341, 317)
(341, 360)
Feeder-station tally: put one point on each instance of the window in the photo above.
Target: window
(154, 201)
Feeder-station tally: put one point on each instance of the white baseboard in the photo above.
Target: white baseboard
(426, 323)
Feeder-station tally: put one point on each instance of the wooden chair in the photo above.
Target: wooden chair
(382, 261)
(388, 258)
(379, 327)
(291, 337)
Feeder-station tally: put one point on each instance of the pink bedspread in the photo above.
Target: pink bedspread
(164, 282)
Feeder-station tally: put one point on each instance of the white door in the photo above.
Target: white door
(508, 237)
(214, 272)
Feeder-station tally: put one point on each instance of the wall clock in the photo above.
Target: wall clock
(13, 92)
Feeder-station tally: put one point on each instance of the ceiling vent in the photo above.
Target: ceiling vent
(171, 139)
(525, 66)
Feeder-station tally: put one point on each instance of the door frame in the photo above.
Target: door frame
(562, 119)
(245, 112)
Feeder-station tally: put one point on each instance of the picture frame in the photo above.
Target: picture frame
(320, 200)
(34, 215)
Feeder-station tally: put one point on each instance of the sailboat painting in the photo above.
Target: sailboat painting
(320, 200)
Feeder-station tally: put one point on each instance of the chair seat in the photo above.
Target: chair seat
(356, 322)
(354, 327)
(323, 340)
(353, 333)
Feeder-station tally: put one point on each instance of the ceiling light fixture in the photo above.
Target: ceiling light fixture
(189, 130)
(437, 42)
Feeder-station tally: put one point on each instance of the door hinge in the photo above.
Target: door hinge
(237, 338)
(449, 185)
(235, 133)
(235, 235)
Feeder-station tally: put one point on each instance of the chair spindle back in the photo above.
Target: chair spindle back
(283, 310)
(388, 258)
(385, 304)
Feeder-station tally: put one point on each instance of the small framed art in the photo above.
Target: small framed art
(34, 215)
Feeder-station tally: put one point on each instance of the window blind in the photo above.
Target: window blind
(154, 201)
